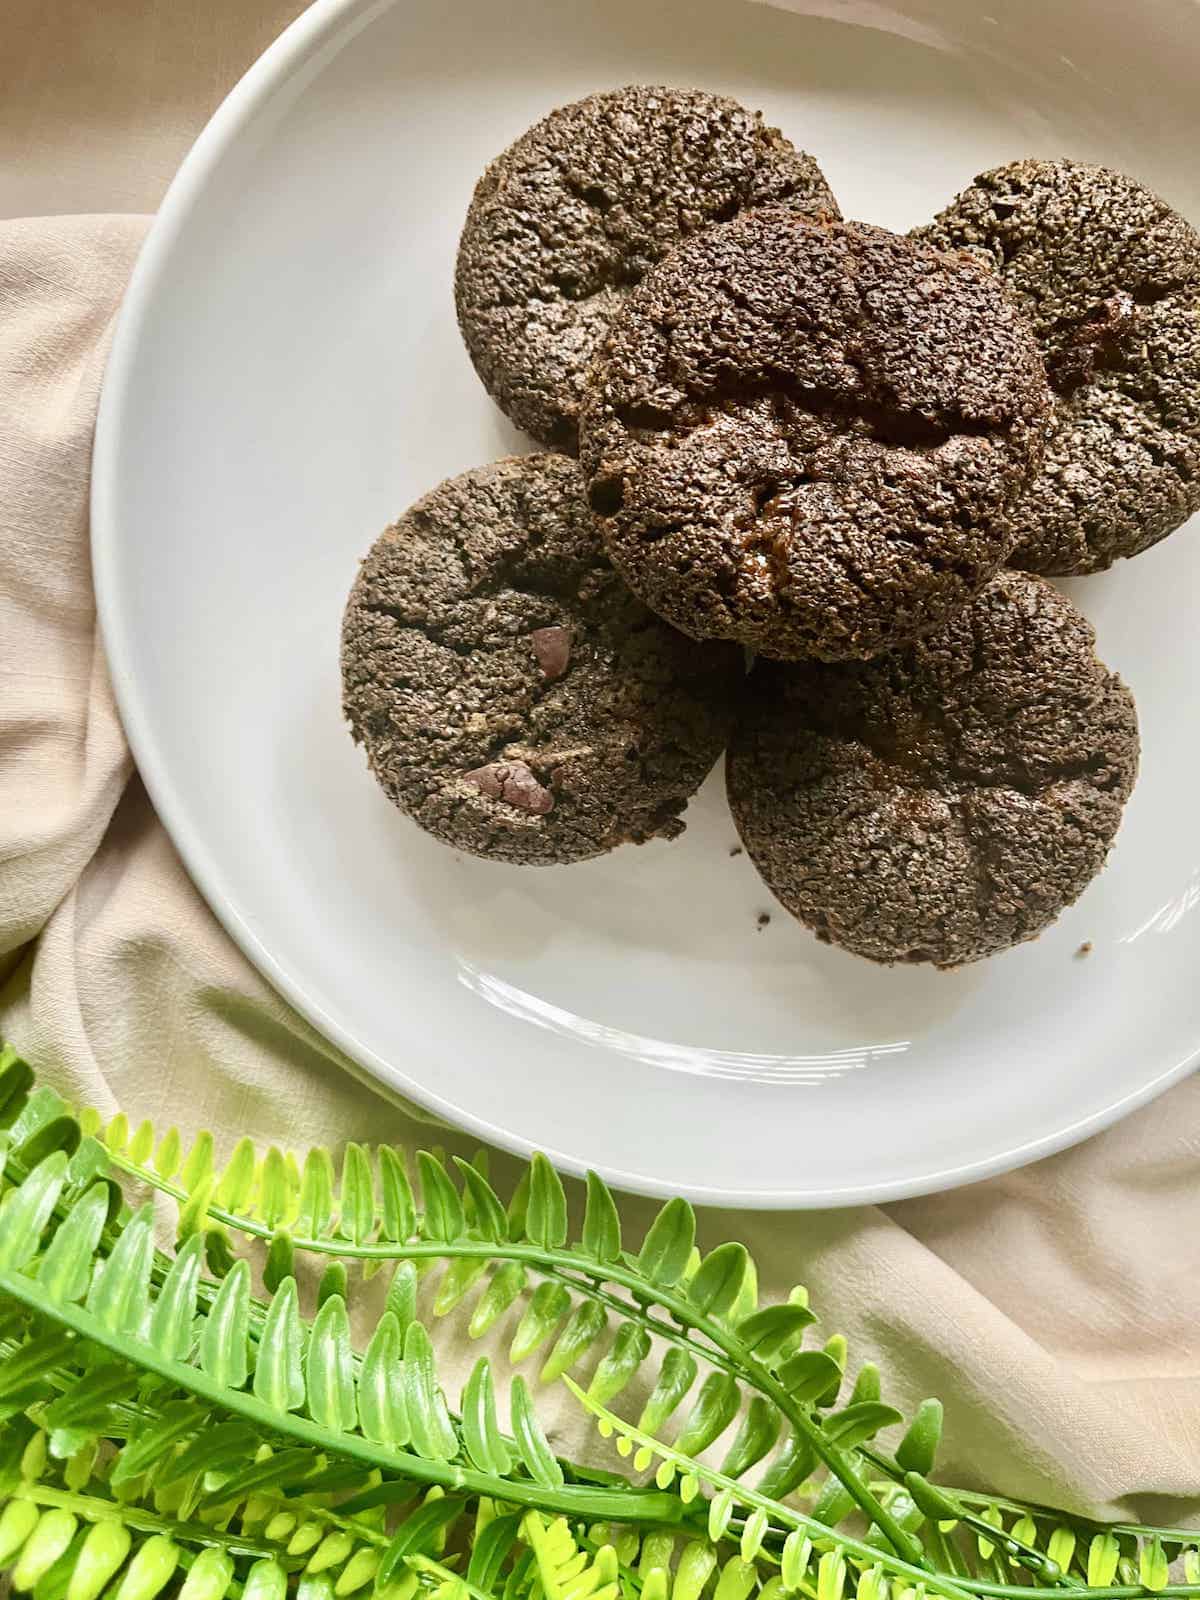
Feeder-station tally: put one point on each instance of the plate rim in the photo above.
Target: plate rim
(320, 24)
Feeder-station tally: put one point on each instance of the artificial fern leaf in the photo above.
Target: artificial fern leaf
(26, 1211)
(866, 1384)
(565, 1572)
(488, 1219)
(266, 1580)
(628, 1351)
(536, 1455)
(56, 1133)
(236, 1183)
(334, 1282)
(50, 1538)
(193, 1214)
(506, 1285)
(753, 1534)
(457, 1281)
(16, 1080)
(284, 1470)
(601, 1222)
(120, 1290)
(918, 1448)
(152, 1568)
(42, 1106)
(831, 1576)
(810, 1375)
(83, 1410)
(316, 1194)
(838, 1352)
(281, 1260)
(794, 1463)
(492, 1546)
(833, 1503)
(90, 1161)
(755, 1438)
(17, 1521)
(356, 1206)
(718, 1282)
(546, 1217)
(417, 1535)
(101, 1555)
(199, 1161)
(547, 1307)
(381, 1407)
(442, 1204)
(65, 1269)
(430, 1429)
(225, 1335)
(218, 1253)
(213, 1449)
(936, 1503)
(141, 1146)
(33, 1361)
(668, 1243)
(764, 1332)
(402, 1294)
(144, 1451)
(518, 1206)
(585, 1325)
(676, 1376)
(1154, 1570)
(872, 1585)
(171, 1320)
(169, 1155)
(329, 1369)
(1061, 1548)
(274, 1198)
(485, 1446)
(278, 1369)
(793, 1563)
(715, 1408)
(209, 1578)
(398, 1214)
(858, 1422)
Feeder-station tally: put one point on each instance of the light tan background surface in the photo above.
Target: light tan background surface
(1055, 1310)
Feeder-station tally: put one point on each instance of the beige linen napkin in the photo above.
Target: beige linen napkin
(1055, 1310)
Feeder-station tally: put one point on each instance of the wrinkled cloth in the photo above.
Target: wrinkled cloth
(1054, 1310)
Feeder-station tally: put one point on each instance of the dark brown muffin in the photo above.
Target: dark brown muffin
(569, 218)
(1109, 277)
(806, 436)
(511, 694)
(945, 802)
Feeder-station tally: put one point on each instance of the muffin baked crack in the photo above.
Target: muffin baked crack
(945, 802)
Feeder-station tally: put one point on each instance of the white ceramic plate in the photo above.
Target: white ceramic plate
(288, 376)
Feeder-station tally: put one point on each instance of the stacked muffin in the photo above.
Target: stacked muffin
(778, 432)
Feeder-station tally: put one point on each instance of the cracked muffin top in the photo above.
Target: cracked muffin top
(512, 696)
(945, 802)
(806, 437)
(572, 215)
(1109, 277)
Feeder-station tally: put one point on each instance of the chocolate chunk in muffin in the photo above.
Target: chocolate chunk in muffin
(1109, 277)
(806, 437)
(512, 696)
(569, 218)
(945, 802)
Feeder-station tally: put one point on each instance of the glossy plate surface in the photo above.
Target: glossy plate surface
(288, 376)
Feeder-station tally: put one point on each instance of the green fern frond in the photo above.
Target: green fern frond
(161, 1424)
